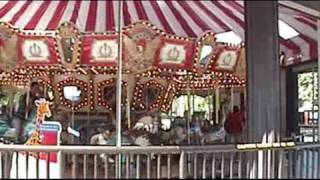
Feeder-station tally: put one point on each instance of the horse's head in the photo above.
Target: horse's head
(43, 107)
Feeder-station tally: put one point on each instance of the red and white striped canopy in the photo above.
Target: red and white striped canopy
(183, 18)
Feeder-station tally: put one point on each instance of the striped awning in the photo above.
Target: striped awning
(182, 18)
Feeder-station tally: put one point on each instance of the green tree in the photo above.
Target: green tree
(307, 88)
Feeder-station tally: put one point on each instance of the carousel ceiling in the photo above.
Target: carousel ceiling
(181, 18)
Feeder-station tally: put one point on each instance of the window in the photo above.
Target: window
(286, 31)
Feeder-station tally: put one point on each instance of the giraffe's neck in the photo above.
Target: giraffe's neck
(35, 138)
(39, 121)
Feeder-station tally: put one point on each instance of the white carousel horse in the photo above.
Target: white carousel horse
(35, 139)
(214, 137)
(150, 126)
(147, 123)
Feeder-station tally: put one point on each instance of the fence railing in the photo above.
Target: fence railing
(308, 118)
(278, 160)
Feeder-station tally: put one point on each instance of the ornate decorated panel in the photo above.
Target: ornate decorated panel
(99, 50)
(69, 43)
(73, 92)
(147, 95)
(37, 50)
(175, 54)
(241, 65)
(106, 94)
(227, 58)
(206, 52)
(141, 42)
(8, 47)
(169, 96)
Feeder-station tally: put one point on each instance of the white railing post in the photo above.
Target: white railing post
(280, 169)
(61, 164)
(318, 38)
(181, 165)
(261, 166)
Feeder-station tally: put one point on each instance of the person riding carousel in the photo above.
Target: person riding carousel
(234, 124)
(4, 120)
(196, 128)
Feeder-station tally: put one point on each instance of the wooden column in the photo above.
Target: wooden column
(292, 120)
(263, 70)
(264, 88)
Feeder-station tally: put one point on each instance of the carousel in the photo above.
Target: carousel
(155, 75)
(126, 73)
(77, 72)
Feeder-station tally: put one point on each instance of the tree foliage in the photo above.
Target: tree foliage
(308, 89)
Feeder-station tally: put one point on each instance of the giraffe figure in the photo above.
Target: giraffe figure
(27, 162)
(43, 111)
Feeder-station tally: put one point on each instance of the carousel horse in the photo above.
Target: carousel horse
(153, 135)
(175, 136)
(35, 139)
(149, 126)
(145, 122)
(214, 136)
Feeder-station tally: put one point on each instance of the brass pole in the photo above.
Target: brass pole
(119, 82)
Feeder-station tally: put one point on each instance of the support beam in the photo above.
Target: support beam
(119, 76)
(231, 98)
(292, 106)
(217, 105)
(283, 103)
(311, 7)
(318, 35)
(119, 87)
(189, 110)
(263, 70)
(263, 77)
(315, 5)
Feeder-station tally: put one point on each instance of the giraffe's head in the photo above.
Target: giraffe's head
(43, 107)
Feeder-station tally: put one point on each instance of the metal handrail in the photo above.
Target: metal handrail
(307, 145)
(93, 149)
(155, 149)
(123, 149)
